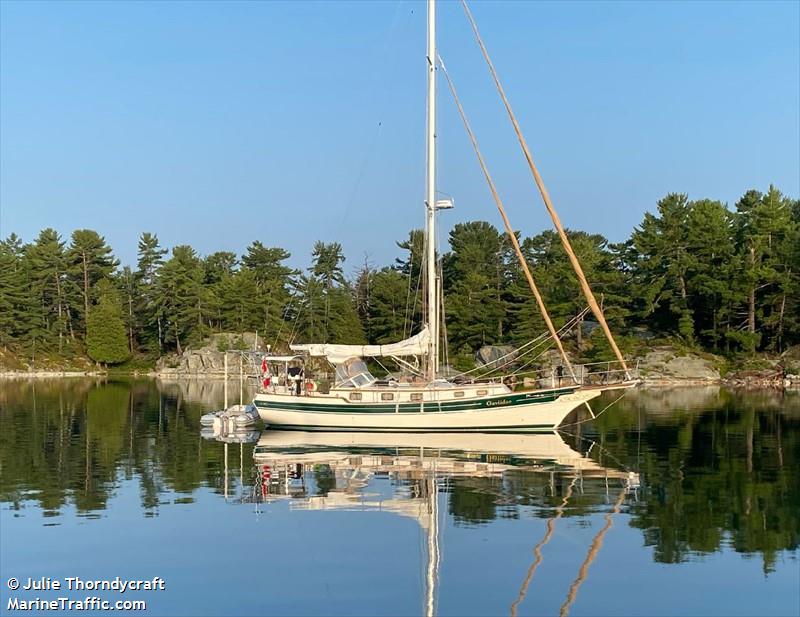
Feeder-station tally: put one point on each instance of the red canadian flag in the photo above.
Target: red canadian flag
(263, 365)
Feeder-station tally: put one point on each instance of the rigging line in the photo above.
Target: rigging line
(537, 343)
(576, 266)
(376, 98)
(521, 370)
(597, 415)
(444, 317)
(603, 451)
(407, 366)
(509, 230)
(283, 320)
(409, 318)
(368, 157)
(597, 544)
(418, 290)
(382, 365)
(542, 341)
(510, 353)
(480, 375)
(568, 325)
(441, 326)
(537, 550)
(296, 322)
(408, 300)
(422, 281)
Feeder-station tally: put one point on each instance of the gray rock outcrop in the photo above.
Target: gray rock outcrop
(664, 365)
(496, 356)
(209, 360)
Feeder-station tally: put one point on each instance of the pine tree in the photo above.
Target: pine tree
(660, 258)
(559, 285)
(310, 316)
(219, 269)
(17, 307)
(90, 259)
(129, 290)
(273, 279)
(47, 266)
(387, 309)
(411, 268)
(326, 303)
(343, 323)
(106, 340)
(790, 334)
(147, 319)
(475, 279)
(218, 265)
(362, 295)
(523, 315)
(765, 232)
(236, 294)
(415, 247)
(180, 298)
(711, 269)
(327, 264)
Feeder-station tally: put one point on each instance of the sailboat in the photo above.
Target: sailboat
(430, 402)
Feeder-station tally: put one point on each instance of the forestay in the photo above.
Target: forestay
(417, 345)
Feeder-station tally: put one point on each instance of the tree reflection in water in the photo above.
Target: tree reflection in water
(717, 472)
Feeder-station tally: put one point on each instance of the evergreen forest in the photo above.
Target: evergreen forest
(700, 273)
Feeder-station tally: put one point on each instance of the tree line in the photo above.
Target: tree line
(717, 278)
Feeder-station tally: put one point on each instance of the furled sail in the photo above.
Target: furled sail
(417, 345)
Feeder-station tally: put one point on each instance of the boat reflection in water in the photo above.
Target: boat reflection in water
(332, 471)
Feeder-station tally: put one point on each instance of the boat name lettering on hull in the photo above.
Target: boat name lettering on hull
(504, 401)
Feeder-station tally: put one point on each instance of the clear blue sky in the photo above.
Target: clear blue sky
(218, 124)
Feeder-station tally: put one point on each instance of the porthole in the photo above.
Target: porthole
(387, 396)
(355, 396)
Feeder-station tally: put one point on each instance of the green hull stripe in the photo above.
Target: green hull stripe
(497, 402)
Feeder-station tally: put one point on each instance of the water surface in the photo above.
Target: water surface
(673, 502)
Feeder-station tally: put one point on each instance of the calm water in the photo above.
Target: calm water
(677, 502)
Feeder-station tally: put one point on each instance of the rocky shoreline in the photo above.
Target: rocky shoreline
(665, 367)
(48, 374)
(660, 367)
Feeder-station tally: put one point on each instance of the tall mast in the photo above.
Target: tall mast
(430, 200)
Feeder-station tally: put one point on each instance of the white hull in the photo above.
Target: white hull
(495, 414)
(332, 448)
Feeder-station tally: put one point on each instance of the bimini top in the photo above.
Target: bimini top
(417, 345)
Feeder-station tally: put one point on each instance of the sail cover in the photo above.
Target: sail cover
(417, 345)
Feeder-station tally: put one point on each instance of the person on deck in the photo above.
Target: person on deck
(296, 377)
